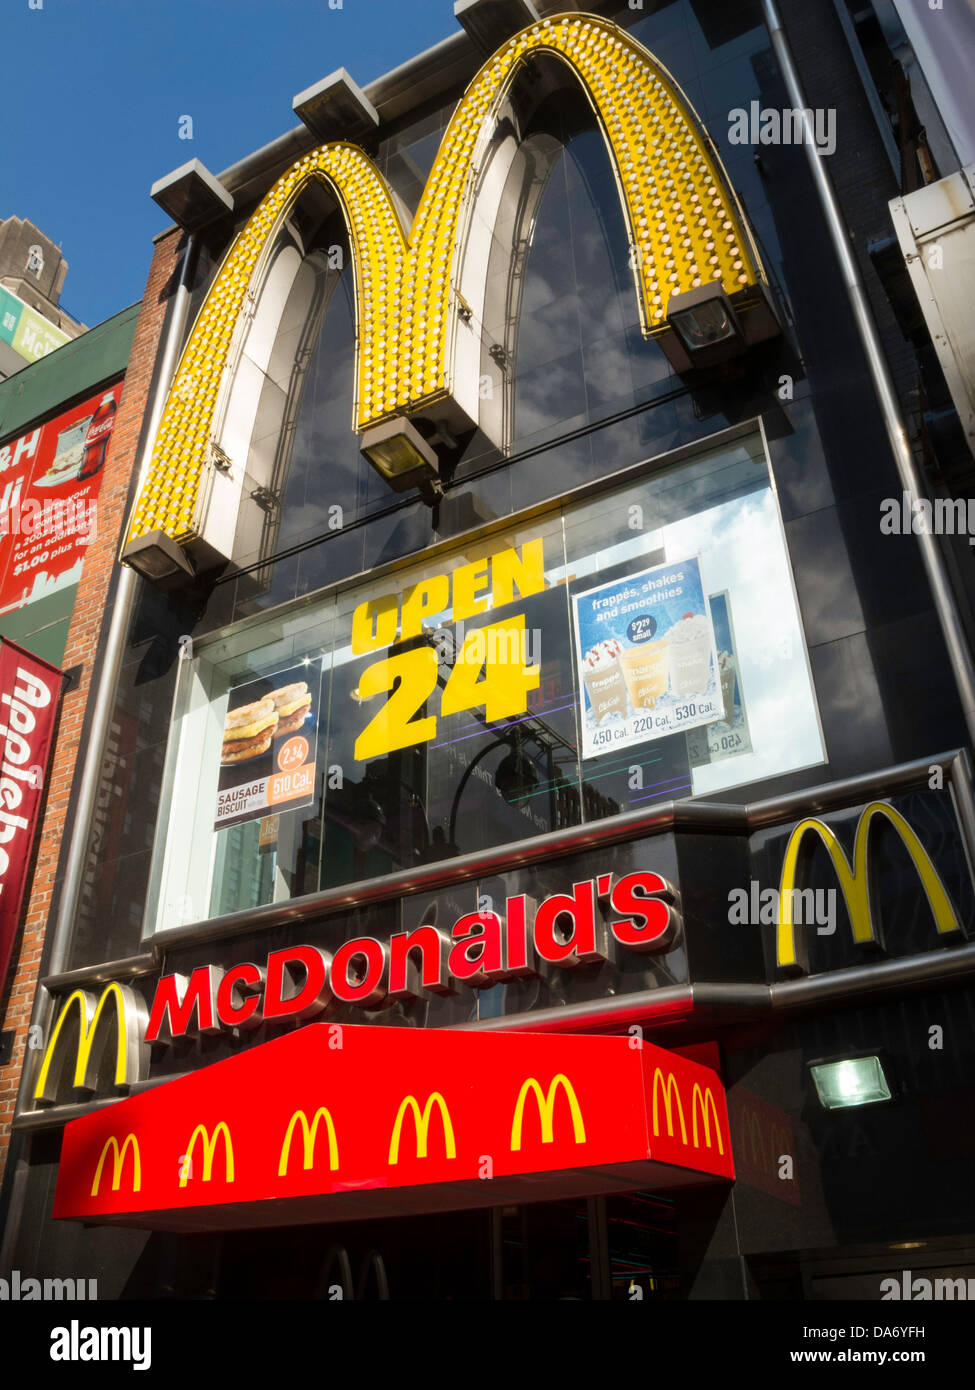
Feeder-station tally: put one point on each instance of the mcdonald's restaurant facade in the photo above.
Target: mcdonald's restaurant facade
(544, 869)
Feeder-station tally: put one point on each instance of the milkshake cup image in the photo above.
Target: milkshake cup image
(690, 654)
(604, 681)
(646, 670)
(726, 669)
(68, 456)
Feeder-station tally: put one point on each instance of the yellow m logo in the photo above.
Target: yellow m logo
(703, 1103)
(755, 1141)
(309, 1134)
(209, 1143)
(671, 1098)
(762, 1143)
(546, 1110)
(855, 881)
(683, 222)
(94, 1018)
(118, 1162)
(422, 1123)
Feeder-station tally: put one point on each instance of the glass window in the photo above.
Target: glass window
(639, 646)
(715, 522)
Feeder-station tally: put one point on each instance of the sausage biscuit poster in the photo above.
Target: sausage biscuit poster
(646, 657)
(270, 746)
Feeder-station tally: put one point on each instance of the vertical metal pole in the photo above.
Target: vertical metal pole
(102, 699)
(944, 601)
(104, 691)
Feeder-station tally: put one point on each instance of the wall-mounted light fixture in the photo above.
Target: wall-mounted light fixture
(490, 22)
(702, 318)
(336, 108)
(159, 560)
(707, 326)
(403, 458)
(850, 1081)
(192, 196)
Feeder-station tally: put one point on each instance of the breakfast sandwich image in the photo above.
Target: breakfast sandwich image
(292, 703)
(68, 457)
(269, 746)
(249, 730)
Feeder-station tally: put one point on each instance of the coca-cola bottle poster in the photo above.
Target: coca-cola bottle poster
(50, 477)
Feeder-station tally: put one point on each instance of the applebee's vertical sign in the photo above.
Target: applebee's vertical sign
(29, 694)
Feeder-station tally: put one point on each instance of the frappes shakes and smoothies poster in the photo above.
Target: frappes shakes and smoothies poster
(646, 657)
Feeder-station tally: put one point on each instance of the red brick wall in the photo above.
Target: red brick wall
(86, 624)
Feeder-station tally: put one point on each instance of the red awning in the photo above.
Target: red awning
(341, 1122)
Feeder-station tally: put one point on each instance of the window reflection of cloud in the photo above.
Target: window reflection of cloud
(559, 381)
(541, 287)
(571, 265)
(549, 332)
(741, 548)
(608, 374)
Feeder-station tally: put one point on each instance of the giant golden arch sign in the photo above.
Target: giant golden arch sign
(683, 221)
(855, 880)
(93, 1018)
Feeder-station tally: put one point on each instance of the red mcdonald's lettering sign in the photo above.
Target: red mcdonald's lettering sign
(641, 913)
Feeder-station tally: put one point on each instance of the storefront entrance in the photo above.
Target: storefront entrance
(622, 1247)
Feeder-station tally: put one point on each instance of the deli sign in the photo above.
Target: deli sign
(566, 930)
(29, 692)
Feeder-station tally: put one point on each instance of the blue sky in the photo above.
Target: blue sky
(94, 91)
